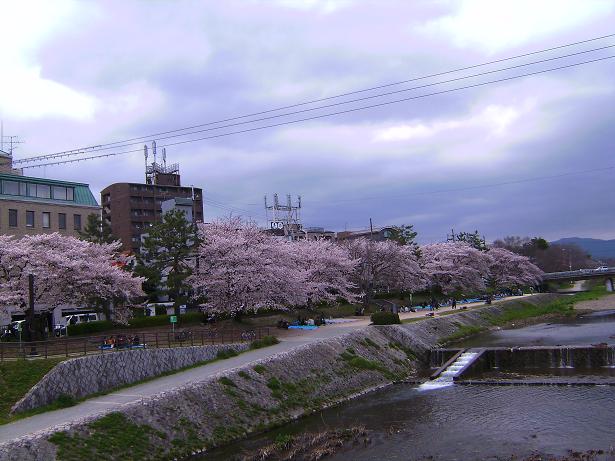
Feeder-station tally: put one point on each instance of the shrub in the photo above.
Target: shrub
(264, 342)
(385, 318)
(89, 327)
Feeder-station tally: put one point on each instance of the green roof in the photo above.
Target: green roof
(82, 194)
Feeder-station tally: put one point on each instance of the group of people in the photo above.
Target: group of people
(319, 320)
(120, 341)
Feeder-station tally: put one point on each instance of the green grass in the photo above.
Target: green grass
(463, 331)
(17, 378)
(111, 437)
(260, 369)
(565, 306)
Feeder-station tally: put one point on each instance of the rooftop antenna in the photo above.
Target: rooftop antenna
(146, 155)
(164, 156)
(154, 150)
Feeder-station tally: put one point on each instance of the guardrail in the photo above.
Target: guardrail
(608, 272)
(100, 344)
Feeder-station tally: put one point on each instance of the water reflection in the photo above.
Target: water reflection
(466, 423)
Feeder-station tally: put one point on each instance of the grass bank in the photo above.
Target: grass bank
(520, 310)
(16, 378)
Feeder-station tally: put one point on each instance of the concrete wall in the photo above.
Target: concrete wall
(83, 376)
(290, 384)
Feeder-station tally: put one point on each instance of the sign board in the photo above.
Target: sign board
(276, 225)
(182, 309)
(173, 318)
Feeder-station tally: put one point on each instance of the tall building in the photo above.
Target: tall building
(31, 205)
(131, 208)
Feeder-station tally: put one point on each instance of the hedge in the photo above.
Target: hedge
(385, 318)
(135, 322)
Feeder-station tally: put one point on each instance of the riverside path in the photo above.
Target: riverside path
(114, 400)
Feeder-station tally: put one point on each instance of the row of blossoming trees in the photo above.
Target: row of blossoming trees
(244, 269)
(239, 268)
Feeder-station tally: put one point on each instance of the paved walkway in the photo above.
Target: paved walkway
(114, 400)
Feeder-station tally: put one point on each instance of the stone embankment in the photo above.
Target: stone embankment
(83, 376)
(256, 397)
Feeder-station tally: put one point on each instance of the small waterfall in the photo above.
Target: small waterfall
(446, 377)
(566, 358)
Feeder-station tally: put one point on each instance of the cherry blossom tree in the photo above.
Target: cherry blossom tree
(326, 271)
(242, 269)
(455, 267)
(66, 270)
(511, 270)
(385, 264)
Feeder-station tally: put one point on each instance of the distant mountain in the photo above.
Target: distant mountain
(598, 249)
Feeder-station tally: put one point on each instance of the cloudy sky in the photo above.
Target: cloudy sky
(502, 158)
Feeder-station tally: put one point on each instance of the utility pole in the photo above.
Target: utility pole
(30, 318)
(371, 230)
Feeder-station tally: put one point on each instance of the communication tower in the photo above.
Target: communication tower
(160, 173)
(284, 219)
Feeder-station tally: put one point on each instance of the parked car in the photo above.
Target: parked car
(602, 268)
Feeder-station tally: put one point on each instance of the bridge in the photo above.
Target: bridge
(607, 273)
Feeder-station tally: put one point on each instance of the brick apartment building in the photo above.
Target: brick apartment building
(31, 205)
(131, 208)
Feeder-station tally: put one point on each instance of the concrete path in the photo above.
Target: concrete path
(289, 340)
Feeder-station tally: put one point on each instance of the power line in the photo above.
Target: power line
(365, 98)
(147, 137)
(330, 114)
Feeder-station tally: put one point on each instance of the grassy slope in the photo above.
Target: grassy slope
(16, 378)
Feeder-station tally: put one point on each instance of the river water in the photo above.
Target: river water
(476, 422)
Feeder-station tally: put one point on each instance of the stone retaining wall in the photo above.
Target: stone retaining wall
(251, 399)
(83, 376)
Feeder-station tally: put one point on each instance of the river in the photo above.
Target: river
(476, 422)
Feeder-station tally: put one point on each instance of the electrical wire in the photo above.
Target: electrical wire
(118, 144)
(330, 114)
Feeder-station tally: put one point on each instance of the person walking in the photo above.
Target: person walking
(454, 304)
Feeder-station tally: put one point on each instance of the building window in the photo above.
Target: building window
(46, 220)
(77, 222)
(29, 218)
(13, 218)
(23, 188)
(62, 220)
(31, 190)
(10, 187)
(43, 191)
(59, 193)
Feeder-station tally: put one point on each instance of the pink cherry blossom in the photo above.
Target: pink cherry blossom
(385, 264)
(455, 267)
(511, 270)
(66, 271)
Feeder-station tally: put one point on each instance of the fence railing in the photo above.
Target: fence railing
(103, 344)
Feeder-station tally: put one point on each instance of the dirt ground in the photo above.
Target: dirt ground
(604, 303)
